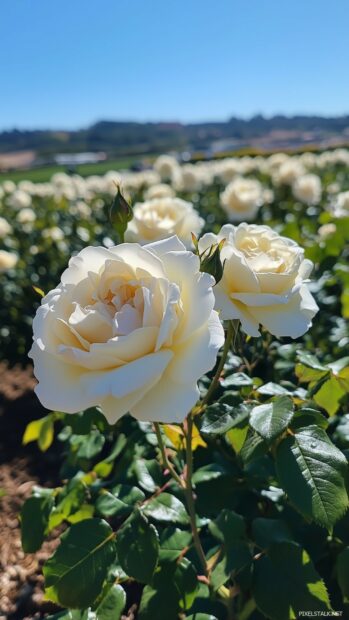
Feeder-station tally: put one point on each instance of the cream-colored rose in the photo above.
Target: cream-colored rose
(166, 166)
(264, 281)
(340, 206)
(131, 329)
(26, 216)
(326, 230)
(241, 199)
(288, 172)
(163, 217)
(160, 190)
(307, 189)
(5, 228)
(8, 260)
(19, 199)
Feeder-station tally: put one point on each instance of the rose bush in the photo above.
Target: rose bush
(197, 519)
(129, 329)
(264, 281)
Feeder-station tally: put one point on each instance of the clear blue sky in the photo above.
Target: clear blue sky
(68, 63)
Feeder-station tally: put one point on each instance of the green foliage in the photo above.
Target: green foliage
(137, 546)
(34, 521)
(271, 420)
(271, 447)
(285, 582)
(313, 472)
(74, 575)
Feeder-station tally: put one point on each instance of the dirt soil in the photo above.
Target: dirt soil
(21, 581)
(22, 467)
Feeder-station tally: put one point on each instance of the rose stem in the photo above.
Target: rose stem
(190, 495)
(166, 463)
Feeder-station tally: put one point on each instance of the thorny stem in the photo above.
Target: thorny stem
(190, 496)
(165, 460)
(187, 485)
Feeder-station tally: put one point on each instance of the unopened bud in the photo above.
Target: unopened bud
(120, 214)
(210, 261)
(195, 242)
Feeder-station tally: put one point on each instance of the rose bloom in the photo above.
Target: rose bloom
(8, 260)
(130, 329)
(55, 233)
(326, 230)
(166, 166)
(288, 172)
(264, 281)
(5, 228)
(340, 208)
(19, 199)
(26, 216)
(241, 199)
(307, 189)
(160, 190)
(162, 217)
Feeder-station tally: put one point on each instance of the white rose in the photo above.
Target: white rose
(264, 281)
(26, 216)
(307, 189)
(288, 172)
(160, 190)
(241, 199)
(131, 329)
(340, 207)
(163, 217)
(8, 260)
(166, 166)
(19, 199)
(55, 233)
(326, 230)
(189, 178)
(5, 228)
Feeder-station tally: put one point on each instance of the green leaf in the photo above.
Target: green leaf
(120, 502)
(145, 475)
(74, 575)
(308, 416)
(312, 471)
(272, 419)
(69, 502)
(174, 586)
(41, 431)
(228, 527)
(273, 389)
(268, 531)
(34, 520)
(137, 546)
(309, 360)
(91, 445)
(166, 508)
(185, 579)
(220, 418)
(112, 605)
(253, 448)
(173, 541)
(238, 379)
(342, 567)
(329, 395)
(161, 599)
(285, 582)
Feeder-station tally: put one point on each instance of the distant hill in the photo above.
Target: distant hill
(125, 138)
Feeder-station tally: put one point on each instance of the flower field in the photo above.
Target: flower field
(188, 329)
